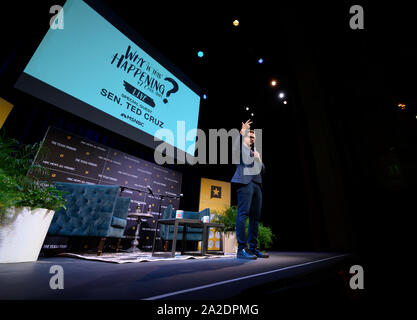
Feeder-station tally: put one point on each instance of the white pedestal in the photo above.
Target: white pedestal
(22, 233)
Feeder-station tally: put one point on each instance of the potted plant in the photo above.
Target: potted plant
(228, 218)
(27, 205)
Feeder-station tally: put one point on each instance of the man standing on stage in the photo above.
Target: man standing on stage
(249, 193)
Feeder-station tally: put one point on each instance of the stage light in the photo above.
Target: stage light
(285, 101)
(260, 60)
(236, 23)
(274, 83)
(247, 108)
(401, 106)
(281, 95)
(204, 96)
(252, 114)
(200, 54)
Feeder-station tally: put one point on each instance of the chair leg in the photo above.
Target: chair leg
(174, 239)
(118, 245)
(184, 239)
(204, 241)
(100, 246)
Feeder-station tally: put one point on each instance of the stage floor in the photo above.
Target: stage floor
(227, 278)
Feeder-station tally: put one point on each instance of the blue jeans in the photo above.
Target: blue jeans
(249, 205)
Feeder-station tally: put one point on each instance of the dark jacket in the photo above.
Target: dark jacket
(248, 169)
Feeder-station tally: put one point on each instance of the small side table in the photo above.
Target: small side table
(195, 223)
(138, 216)
(188, 223)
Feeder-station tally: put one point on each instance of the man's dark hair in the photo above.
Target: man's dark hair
(249, 131)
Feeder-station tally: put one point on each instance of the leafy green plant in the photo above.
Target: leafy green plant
(9, 196)
(265, 237)
(228, 218)
(18, 185)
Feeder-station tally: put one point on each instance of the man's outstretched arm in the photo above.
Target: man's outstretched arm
(237, 144)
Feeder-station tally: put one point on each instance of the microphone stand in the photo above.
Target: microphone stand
(135, 241)
(161, 197)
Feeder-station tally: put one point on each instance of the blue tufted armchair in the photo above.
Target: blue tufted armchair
(193, 234)
(92, 211)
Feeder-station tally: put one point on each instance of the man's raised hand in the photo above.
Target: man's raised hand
(245, 127)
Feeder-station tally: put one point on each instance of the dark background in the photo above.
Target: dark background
(340, 156)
